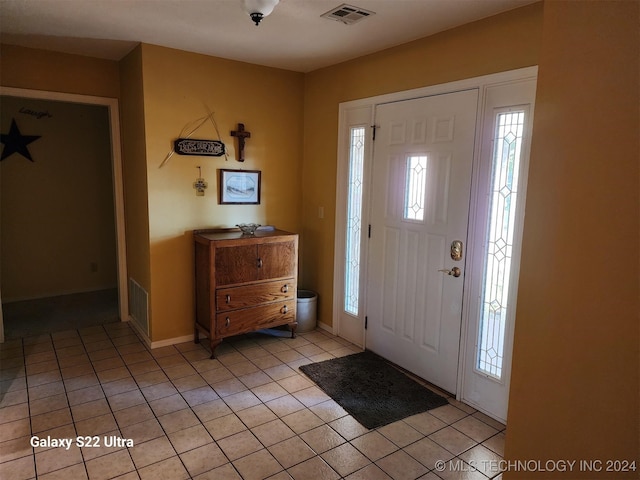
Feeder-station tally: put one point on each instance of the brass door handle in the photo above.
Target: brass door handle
(285, 288)
(284, 309)
(227, 299)
(228, 320)
(454, 272)
(259, 263)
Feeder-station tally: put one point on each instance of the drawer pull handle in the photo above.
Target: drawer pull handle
(284, 309)
(227, 298)
(285, 288)
(259, 263)
(226, 324)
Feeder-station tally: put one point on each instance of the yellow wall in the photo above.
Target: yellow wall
(178, 87)
(57, 212)
(134, 169)
(162, 91)
(503, 42)
(574, 386)
(58, 72)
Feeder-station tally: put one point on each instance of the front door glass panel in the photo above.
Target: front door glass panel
(415, 185)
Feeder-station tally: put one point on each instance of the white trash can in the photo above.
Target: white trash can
(306, 310)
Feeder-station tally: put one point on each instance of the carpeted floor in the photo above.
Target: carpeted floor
(56, 314)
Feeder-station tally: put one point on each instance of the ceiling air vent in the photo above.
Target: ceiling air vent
(347, 14)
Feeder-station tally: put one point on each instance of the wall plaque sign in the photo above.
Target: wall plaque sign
(193, 146)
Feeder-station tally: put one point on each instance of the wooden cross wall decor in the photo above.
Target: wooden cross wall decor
(241, 134)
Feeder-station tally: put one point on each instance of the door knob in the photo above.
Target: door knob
(455, 271)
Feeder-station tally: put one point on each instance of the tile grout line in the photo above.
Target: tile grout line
(105, 397)
(198, 374)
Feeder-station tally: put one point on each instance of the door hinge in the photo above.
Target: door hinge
(369, 232)
(366, 322)
(374, 128)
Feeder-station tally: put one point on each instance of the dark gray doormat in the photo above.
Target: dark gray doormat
(371, 390)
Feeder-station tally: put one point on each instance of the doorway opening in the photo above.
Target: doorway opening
(62, 219)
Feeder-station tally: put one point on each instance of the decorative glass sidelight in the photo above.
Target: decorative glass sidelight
(354, 220)
(415, 185)
(503, 197)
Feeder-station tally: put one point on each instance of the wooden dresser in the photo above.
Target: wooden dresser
(244, 283)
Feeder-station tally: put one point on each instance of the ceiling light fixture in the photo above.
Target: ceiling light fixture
(258, 9)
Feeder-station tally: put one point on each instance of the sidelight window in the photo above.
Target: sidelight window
(354, 220)
(503, 198)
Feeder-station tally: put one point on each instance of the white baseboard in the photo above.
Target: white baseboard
(172, 341)
(326, 328)
(160, 343)
(189, 338)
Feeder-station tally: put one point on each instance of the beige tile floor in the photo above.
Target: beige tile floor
(248, 414)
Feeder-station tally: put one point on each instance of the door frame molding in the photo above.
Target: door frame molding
(117, 173)
(342, 188)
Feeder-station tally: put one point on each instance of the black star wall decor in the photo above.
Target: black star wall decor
(15, 142)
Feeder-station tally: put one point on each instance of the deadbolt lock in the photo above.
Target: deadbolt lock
(456, 250)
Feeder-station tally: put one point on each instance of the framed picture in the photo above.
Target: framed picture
(239, 187)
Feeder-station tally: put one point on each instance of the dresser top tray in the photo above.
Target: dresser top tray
(206, 236)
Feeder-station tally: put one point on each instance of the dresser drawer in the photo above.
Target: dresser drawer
(251, 295)
(255, 318)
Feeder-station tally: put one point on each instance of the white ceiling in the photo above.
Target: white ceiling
(293, 37)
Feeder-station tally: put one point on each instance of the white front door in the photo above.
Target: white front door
(421, 180)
